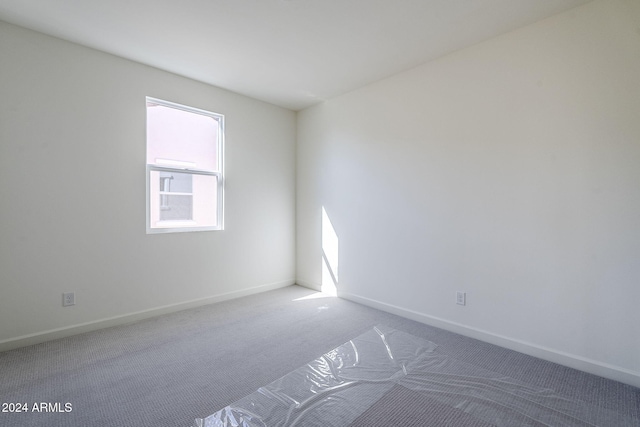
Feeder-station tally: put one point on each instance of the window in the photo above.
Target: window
(184, 168)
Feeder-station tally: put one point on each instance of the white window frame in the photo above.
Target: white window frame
(189, 225)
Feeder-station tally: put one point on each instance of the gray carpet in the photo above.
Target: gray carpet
(406, 408)
(169, 370)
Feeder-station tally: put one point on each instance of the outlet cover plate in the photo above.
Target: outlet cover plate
(68, 298)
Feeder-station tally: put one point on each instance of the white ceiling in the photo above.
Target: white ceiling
(291, 53)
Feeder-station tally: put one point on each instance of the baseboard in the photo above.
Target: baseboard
(40, 337)
(308, 285)
(570, 360)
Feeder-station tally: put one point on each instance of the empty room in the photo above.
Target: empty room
(319, 213)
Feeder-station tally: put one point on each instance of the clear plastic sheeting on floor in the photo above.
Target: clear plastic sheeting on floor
(343, 385)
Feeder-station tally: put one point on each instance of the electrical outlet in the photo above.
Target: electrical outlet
(68, 298)
(461, 298)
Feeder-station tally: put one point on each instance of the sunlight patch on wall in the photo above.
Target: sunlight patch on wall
(329, 256)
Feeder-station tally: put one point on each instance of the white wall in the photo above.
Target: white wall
(72, 188)
(509, 170)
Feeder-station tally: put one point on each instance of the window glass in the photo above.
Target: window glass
(184, 163)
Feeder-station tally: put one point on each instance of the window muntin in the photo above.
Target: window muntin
(184, 168)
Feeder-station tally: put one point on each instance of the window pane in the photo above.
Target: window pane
(180, 199)
(181, 138)
(176, 182)
(205, 200)
(176, 208)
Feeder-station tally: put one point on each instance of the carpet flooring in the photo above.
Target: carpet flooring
(407, 408)
(169, 370)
